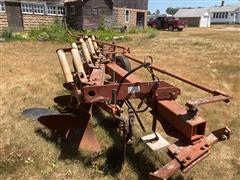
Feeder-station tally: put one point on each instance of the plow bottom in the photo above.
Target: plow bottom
(75, 130)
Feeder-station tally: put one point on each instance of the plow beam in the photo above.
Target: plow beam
(184, 157)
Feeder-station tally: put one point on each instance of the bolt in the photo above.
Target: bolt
(224, 137)
(184, 161)
(175, 153)
(202, 148)
(226, 131)
(188, 158)
(206, 145)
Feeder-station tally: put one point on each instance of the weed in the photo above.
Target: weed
(7, 34)
(152, 33)
(53, 32)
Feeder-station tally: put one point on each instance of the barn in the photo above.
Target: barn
(20, 15)
(88, 14)
(199, 17)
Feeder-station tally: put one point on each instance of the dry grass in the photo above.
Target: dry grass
(31, 77)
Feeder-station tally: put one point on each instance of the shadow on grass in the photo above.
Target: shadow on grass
(140, 161)
(114, 155)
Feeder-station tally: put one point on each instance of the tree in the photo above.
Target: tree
(148, 12)
(171, 10)
(157, 11)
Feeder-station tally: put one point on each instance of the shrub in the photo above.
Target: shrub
(53, 32)
(152, 33)
(7, 34)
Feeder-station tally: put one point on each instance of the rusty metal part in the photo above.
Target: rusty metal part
(98, 75)
(129, 91)
(177, 120)
(166, 171)
(185, 156)
(193, 104)
(124, 48)
(175, 76)
(120, 72)
(77, 131)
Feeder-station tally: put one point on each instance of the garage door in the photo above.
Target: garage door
(204, 21)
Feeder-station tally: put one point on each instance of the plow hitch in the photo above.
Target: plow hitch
(185, 156)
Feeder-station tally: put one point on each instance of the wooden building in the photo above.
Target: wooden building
(88, 14)
(20, 15)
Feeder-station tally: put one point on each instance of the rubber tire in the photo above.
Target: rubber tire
(170, 28)
(180, 29)
(124, 63)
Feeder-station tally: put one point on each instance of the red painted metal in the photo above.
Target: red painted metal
(92, 94)
(178, 121)
(185, 156)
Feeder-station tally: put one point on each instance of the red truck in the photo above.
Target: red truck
(170, 23)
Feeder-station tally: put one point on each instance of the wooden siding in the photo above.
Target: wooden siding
(133, 4)
(88, 14)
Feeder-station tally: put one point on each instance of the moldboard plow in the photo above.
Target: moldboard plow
(100, 73)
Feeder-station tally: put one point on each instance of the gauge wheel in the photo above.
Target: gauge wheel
(124, 63)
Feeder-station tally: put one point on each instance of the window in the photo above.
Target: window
(51, 10)
(27, 8)
(226, 15)
(220, 15)
(127, 15)
(38, 8)
(61, 11)
(223, 14)
(232, 14)
(94, 11)
(217, 15)
(72, 9)
(2, 7)
(214, 15)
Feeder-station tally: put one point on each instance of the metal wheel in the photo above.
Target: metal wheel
(124, 63)
(170, 28)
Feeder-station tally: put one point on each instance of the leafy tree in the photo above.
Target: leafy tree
(149, 13)
(157, 11)
(171, 10)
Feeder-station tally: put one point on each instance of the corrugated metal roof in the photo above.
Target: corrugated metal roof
(227, 8)
(198, 12)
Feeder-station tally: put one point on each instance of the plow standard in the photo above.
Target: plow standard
(100, 73)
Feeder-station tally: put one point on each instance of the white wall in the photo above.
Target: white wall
(205, 21)
(238, 17)
(230, 19)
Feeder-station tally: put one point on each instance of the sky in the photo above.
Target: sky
(162, 5)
